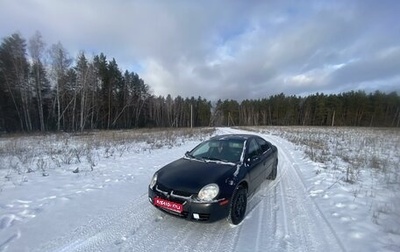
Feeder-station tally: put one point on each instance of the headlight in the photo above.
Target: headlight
(153, 181)
(208, 192)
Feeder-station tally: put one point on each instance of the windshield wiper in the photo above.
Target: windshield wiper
(187, 154)
(214, 159)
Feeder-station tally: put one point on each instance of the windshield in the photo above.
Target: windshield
(219, 150)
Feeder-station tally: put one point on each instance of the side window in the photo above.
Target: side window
(263, 144)
(254, 149)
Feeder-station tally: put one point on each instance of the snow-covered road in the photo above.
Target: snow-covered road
(111, 212)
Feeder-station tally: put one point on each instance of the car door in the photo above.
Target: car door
(255, 164)
(267, 154)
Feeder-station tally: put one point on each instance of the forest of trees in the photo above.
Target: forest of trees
(346, 109)
(45, 89)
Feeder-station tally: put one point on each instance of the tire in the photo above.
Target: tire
(274, 172)
(237, 211)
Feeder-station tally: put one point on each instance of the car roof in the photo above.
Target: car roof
(233, 137)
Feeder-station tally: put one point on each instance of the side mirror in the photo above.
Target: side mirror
(250, 160)
(187, 154)
(247, 162)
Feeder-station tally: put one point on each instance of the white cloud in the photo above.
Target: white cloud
(161, 80)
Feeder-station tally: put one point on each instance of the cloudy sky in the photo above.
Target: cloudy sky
(227, 49)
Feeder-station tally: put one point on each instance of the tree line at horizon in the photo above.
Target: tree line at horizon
(44, 89)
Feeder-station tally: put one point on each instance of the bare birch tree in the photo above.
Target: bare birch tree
(60, 63)
(36, 48)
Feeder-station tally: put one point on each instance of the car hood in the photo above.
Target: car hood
(189, 175)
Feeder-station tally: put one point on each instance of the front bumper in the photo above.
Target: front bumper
(193, 210)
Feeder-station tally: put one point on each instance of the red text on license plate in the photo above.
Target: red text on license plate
(169, 205)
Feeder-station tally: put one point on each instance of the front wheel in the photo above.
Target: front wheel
(238, 206)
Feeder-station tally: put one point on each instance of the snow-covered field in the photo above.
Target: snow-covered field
(336, 190)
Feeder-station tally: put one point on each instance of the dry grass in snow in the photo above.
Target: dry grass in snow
(21, 154)
(364, 161)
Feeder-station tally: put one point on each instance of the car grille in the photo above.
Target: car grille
(167, 190)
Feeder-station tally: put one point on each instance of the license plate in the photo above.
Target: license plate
(169, 205)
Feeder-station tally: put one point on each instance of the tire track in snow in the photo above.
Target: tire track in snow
(307, 221)
(265, 217)
(158, 236)
(104, 231)
(174, 234)
(283, 233)
(298, 231)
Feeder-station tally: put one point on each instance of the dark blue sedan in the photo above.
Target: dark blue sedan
(214, 180)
